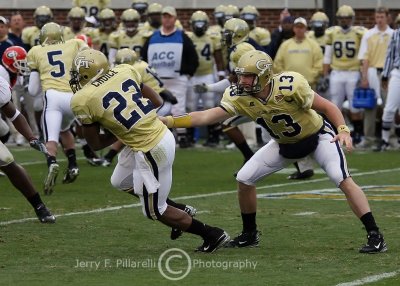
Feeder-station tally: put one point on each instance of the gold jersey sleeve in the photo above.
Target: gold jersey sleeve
(345, 47)
(286, 113)
(119, 40)
(149, 76)
(53, 62)
(30, 36)
(205, 48)
(261, 36)
(116, 103)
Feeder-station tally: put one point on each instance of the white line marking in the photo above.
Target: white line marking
(370, 279)
(305, 213)
(100, 210)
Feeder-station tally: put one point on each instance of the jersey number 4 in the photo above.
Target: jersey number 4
(123, 104)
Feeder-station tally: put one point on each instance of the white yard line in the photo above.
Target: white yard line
(100, 210)
(370, 279)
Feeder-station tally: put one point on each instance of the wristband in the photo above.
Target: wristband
(343, 128)
(182, 121)
(15, 115)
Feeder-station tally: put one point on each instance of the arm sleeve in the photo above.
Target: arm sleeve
(34, 86)
(219, 86)
(143, 52)
(189, 56)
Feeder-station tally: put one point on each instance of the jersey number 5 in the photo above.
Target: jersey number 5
(56, 63)
(122, 104)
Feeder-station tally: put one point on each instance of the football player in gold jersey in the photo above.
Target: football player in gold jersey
(260, 35)
(208, 49)
(50, 63)
(101, 35)
(130, 37)
(91, 7)
(117, 100)
(340, 57)
(287, 106)
(319, 22)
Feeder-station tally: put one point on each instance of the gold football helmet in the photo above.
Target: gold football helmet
(219, 14)
(126, 56)
(42, 15)
(319, 22)
(88, 65)
(107, 19)
(231, 11)
(345, 11)
(237, 53)
(50, 34)
(199, 22)
(257, 64)
(250, 14)
(235, 31)
(154, 8)
(76, 12)
(130, 19)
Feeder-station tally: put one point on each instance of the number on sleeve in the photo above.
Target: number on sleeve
(287, 78)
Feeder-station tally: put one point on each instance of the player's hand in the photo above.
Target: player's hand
(345, 139)
(200, 88)
(323, 84)
(38, 145)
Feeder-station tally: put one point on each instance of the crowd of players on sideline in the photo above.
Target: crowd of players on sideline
(334, 60)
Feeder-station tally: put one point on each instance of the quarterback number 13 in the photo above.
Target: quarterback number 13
(288, 79)
(122, 104)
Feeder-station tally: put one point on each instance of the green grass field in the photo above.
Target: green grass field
(309, 234)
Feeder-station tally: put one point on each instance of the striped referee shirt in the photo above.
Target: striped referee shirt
(393, 54)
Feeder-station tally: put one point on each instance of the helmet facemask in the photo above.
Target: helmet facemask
(199, 28)
(246, 86)
(41, 20)
(226, 38)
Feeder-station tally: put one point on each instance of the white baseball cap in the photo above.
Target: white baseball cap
(300, 20)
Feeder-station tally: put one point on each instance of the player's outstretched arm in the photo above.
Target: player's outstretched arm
(197, 118)
(335, 116)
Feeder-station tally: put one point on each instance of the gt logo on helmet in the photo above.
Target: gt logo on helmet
(82, 62)
(262, 65)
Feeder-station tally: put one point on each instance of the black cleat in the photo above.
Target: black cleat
(382, 146)
(301, 175)
(176, 232)
(94, 161)
(375, 244)
(245, 239)
(218, 239)
(44, 214)
(70, 175)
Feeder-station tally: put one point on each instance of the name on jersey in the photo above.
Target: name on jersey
(104, 78)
